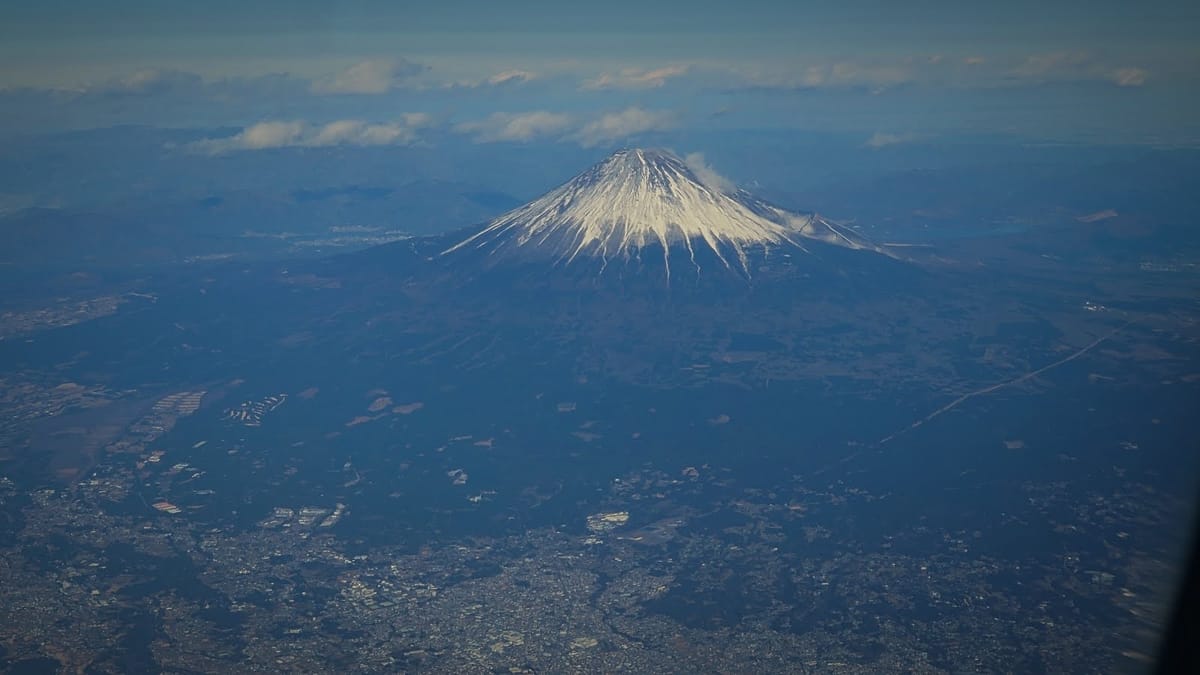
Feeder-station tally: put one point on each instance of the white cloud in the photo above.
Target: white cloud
(882, 140)
(377, 76)
(1129, 77)
(285, 134)
(707, 175)
(635, 78)
(267, 135)
(516, 126)
(620, 125)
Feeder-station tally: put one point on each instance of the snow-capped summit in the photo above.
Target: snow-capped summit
(650, 199)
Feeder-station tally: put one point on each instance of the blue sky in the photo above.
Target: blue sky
(599, 72)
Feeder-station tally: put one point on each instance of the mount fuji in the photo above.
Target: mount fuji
(648, 206)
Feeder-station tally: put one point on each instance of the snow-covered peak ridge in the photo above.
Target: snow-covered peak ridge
(636, 198)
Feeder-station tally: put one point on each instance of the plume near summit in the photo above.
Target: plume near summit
(638, 201)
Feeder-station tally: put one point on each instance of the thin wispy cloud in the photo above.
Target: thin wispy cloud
(939, 71)
(882, 140)
(294, 133)
(849, 73)
(841, 74)
(377, 76)
(635, 78)
(504, 78)
(1053, 65)
(149, 81)
(510, 77)
(1129, 77)
(1076, 67)
(169, 82)
(520, 127)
